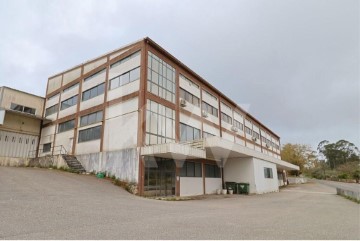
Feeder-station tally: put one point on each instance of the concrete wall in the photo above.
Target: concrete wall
(212, 184)
(14, 144)
(13, 161)
(21, 124)
(265, 185)
(190, 186)
(240, 170)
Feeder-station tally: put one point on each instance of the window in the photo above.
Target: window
(125, 59)
(53, 96)
(238, 125)
(125, 78)
(225, 106)
(256, 135)
(210, 95)
(69, 102)
(207, 134)
(65, 126)
(192, 99)
(90, 134)
(23, 109)
(51, 110)
(191, 83)
(212, 171)
(161, 78)
(268, 172)
(248, 130)
(94, 75)
(91, 118)
(160, 124)
(191, 169)
(189, 133)
(226, 118)
(71, 87)
(210, 109)
(93, 92)
(47, 147)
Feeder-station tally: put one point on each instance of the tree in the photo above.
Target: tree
(300, 155)
(338, 153)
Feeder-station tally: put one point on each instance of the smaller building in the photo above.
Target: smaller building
(20, 125)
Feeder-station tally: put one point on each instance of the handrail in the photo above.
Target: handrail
(53, 151)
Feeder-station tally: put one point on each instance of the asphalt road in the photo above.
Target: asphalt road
(50, 204)
(355, 187)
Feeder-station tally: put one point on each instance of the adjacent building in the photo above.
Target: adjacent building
(142, 115)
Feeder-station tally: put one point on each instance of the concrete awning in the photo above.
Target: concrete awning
(174, 151)
(218, 149)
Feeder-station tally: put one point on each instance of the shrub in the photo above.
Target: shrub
(343, 176)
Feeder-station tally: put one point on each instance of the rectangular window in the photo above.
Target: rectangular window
(192, 99)
(93, 92)
(210, 95)
(125, 59)
(94, 75)
(71, 87)
(47, 147)
(91, 118)
(53, 96)
(191, 169)
(51, 110)
(268, 172)
(238, 125)
(125, 78)
(69, 102)
(90, 134)
(191, 83)
(226, 118)
(22, 108)
(256, 135)
(161, 78)
(189, 133)
(65, 126)
(210, 109)
(248, 130)
(212, 171)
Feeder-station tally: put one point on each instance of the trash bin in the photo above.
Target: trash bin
(243, 188)
(231, 185)
(100, 175)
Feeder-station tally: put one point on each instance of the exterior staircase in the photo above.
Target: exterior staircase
(73, 163)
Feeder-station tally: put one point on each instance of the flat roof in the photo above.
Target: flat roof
(6, 87)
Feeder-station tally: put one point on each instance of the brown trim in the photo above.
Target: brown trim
(203, 176)
(160, 100)
(122, 99)
(103, 106)
(77, 112)
(177, 106)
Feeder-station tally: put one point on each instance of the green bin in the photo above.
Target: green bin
(100, 175)
(243, 188)
(232, 185)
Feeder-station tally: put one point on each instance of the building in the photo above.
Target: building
(142, 115)
(20, 125)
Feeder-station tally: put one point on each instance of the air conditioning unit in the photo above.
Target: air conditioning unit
(254, 138)
(182, 102)
(234, 129)
(204, 114)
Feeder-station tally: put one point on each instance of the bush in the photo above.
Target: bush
(343, 176)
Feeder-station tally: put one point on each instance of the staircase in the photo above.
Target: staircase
(73, 163)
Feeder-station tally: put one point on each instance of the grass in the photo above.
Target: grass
(350, 198)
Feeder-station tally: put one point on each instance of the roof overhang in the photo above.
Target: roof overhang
(37, 117)
(174, 151)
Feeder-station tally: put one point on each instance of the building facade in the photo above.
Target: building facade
(20, 125)
(140, 114)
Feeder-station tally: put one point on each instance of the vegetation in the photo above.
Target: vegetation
(334, 161)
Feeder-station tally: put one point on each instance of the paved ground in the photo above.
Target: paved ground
(49, 204)
(355, 187)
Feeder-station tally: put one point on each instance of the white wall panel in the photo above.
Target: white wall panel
(190, 186)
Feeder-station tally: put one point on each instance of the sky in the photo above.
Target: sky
(294, 65)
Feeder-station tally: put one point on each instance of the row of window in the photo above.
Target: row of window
(226, 118)
(194, 169)
(125, 78)
(22, 108)
(84, 121)
(238, 125)
(93, 92)
(188, 133)
(13, 139)
(210, 109)
(192, 99)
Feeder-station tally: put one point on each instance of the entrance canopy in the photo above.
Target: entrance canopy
(175, 151)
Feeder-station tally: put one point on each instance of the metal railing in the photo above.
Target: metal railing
(55, 150)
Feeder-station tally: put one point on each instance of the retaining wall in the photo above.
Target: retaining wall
(348, 193)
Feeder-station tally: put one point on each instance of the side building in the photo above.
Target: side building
(140, 114)
(20, 125)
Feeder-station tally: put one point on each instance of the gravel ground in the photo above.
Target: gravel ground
(50, 204)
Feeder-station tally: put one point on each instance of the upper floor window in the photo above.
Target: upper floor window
(189, 133)
(192, 99)
(210, 109)
(51, 110)
(256, 135)
(53, 96)
(71, 87)
(65, 126)
(90, 134)
(94, 75)
(68, 102)
(93, 92)
(125, 78)
(248, 130)
(125, 59)
(238, 125)
(191, 83)
(91, 118)
(226, 118)
(22, 108)
(210, 95)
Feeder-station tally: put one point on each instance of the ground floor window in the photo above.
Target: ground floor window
(191, 169)
(268, 172)
(47, 147)
(212, 171)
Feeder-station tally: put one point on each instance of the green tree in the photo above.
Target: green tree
(300, 155)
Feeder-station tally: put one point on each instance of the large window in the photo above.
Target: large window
(161, 78)
(23, 109)
(189, 133)
(94, 75)
(91, 118)
(238, 125)
(160, 123)
(192, 99)
(209, 109)
(248, 130)
(268, 172)
(212, 171)
(226, 118)
(69, 102)
(191, 169)
(93, 92)
(125, 78)
(256, 135)
(65, 126)
(90, 134)
(51, 110)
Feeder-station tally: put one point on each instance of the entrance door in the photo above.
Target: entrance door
(159, 177)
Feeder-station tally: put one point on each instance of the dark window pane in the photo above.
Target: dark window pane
(198, 171)
(190, 169)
